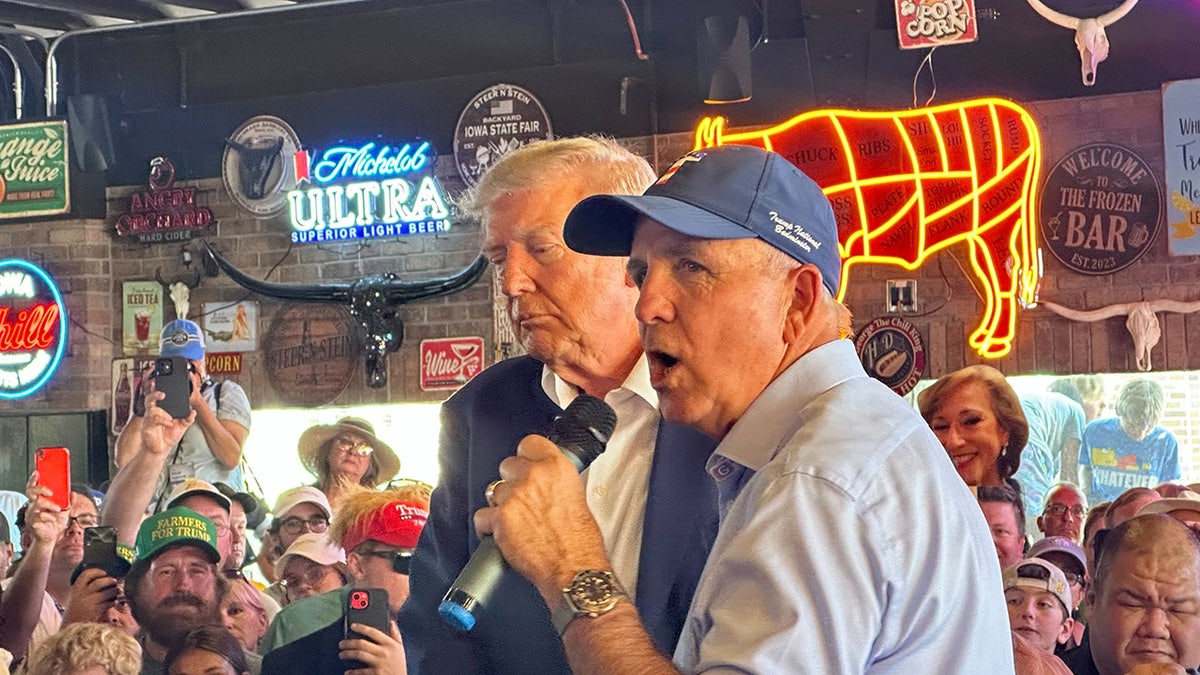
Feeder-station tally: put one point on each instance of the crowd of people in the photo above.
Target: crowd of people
(762, 505)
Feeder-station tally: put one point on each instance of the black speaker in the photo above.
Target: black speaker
(91, 135)
(723, 48)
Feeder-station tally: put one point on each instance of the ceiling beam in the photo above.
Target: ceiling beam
(129, 10)
(209, 5)
(12, 13)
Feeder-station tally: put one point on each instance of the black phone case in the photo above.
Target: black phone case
(100, 551)
(374, 614)
(171, 377)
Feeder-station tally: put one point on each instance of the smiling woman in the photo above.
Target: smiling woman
(978, 419)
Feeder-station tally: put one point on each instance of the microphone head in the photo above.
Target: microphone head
(584, 428)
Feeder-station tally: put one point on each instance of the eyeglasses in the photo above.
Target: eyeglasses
(400, 559)
(1061, 510)
(294, 525)
(310, 577)
(1073, 578)
(83, 521)
(360, 448)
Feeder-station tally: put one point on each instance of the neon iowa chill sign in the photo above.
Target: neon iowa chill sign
(366, 191)
(33, 328)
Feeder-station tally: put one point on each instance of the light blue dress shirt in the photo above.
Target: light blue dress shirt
(848, 544)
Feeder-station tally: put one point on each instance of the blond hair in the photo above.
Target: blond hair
(360, 505)
(544, 163)
(80, 646)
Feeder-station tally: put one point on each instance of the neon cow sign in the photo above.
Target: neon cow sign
(907, 184)
(33, 328)
(366, 191)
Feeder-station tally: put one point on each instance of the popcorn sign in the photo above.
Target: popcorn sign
(934, 23)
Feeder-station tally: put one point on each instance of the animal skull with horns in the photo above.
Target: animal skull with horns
(1090, 37)
(1142, 321)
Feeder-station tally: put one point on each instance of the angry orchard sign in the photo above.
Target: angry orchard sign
(1101, 208)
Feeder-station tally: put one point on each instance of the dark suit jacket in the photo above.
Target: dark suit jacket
(481, 425)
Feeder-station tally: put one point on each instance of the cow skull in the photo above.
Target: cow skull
(373, 302)
(1090, 37)
(1142, 321)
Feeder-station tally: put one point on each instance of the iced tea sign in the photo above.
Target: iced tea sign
(33, 328)
(34, 176)
(448, 363)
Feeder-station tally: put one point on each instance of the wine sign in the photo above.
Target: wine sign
(449, 362)
(33, 328)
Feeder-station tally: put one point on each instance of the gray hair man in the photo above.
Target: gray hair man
(736, 258)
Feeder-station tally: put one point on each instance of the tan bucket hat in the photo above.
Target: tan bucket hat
(315, 436)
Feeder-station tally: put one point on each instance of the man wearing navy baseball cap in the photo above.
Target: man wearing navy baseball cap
(829, 558)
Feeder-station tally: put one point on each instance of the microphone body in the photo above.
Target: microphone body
(581, 433)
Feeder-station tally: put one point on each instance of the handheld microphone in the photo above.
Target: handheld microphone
(581, 433)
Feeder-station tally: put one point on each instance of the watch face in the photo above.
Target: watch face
(595, 592)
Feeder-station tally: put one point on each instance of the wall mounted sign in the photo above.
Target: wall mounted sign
(1181, 151)
(142, 316)
(934, 23)
(34, 176)
(1102, 206)
(257, 168)
(496, 121)
(163, 212)
(33, 328)
(448, 363)
(365, 191)
(907, 184)
(311, 353)
(223, 363)
(891, 351)
(230, 326)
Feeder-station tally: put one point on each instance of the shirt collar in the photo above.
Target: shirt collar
(636, 384)
(776, 413)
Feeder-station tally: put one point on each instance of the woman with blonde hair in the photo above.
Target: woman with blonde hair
(86, 649)
(243, 613)
(345, 455)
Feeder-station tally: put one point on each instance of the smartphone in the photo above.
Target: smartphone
(172, 378)
(100, 551)
(54, 472)
(368, 606)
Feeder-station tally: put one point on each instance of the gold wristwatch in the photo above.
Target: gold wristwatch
(591, 593)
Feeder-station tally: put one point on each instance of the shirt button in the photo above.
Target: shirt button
(601, 490)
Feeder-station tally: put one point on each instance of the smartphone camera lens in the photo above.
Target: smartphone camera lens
(164, 367)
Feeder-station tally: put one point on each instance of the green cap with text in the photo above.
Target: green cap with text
(177, 527)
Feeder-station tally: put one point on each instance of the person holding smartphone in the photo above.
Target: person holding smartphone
(211, 449)
(320, 634)
(39, 592)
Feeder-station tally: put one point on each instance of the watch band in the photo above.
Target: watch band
(562, 616)
(580, 597)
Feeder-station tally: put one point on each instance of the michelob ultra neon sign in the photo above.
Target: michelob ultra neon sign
(365, 191)
(33, 328)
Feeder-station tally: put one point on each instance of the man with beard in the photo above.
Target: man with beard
(40, 590)
(174, 584)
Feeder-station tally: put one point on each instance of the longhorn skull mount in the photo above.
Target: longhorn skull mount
(1142, 321)
(372, 301)
(1090, 37)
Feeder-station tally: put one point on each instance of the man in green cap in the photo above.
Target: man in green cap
(174, 584)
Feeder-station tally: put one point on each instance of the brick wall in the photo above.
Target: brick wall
(90, 264)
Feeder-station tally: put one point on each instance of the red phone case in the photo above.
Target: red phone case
(54, 472)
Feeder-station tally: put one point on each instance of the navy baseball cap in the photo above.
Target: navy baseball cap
(182, 338)
(727, 192)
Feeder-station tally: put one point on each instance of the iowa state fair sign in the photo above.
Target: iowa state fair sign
(366, 191)
(33, 328)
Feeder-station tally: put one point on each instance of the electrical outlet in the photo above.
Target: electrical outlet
(901, 296)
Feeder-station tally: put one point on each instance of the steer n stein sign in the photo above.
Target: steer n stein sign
(1102, 208)
(33, 328)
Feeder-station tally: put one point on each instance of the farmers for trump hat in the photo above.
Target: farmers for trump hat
(727, 192)
(177, 527)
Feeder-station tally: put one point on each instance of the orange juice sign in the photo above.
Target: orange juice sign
(933, 23)
(34, 180)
